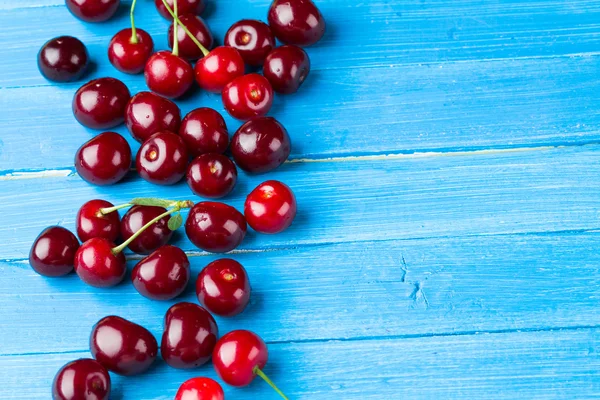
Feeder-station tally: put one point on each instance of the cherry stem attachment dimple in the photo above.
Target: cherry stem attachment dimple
(176, 21)
(259, 372)
(134, 38)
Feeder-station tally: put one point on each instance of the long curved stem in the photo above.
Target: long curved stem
(175, 31)
(203, 49)
(134, 38)
(259, 372)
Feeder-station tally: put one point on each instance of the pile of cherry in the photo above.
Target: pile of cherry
(261, 144)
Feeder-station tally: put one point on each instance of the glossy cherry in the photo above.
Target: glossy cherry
(91, 222)
(204, 131)
(53, 252)
(270, 207)
(82, 379)
(100, 103)
(223, 287)
(260, 145)
(296, 22)
(63, 59)
(215, 227)
(184, 7)
(253, 39)
(168, 75)
(122, 346)
(163, 275)
(148, 113)
(97, 265)
(152, 238)
(211, 175)
(189, 337)
(103, 160)
(286, 68)
(93, 10)
(219, 67)
(248, 96)
(200, 389)
(197, 27)
(129, 56)
(162, 159)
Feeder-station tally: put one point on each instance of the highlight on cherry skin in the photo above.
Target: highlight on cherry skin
(248, 96)
(162, 159)
(63, 59)
(223, 287)
(53, 252)
(296, 22)
(100, 103)
(162, 275)
(81, 379)
(204, 131)
(148, 113)
(252, 38)
(270, 207)
(286, 68)
(225, 232)
(211, 175)
(200, 389)
(104, 159)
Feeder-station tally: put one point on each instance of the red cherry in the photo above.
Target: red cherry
(183, 7)
(253, 39)
(91, 222)
(53, 252)
(63, 59)
(81, 380)
(152, 238)
(204, 131)
(127, 56)
(248, 96)
(162, 159)
(260, 145)
(168, 75)
(122, 346)
(296, 22)
(148, 113)
(215, 227)
(223, 287)
(187, 48)
(97, 265)
(189, 337)
(100, 103)
(163, 275)
(200, 389)
(93, 10)
(103, 160)
(286, 68)
(212, 176)
(219, 67)
(270, 208)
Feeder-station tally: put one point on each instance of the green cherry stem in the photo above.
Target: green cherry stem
(108, 210)
(175, 32)
(258, 372)
(203, 49)
(134, 38)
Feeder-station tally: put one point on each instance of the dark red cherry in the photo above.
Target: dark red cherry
(237, 355)
(93, 10)
(200, 389)
(286, 68)
(253, 39)
(83, 379)
(204, 131)
(103, 160)
(270, 207)
(63, 59)
(148, 113)
(127, 56)
(168, 75)
(152, 238)
(100, 103)
(91, 222)
(53, 252)
(223, 287)
(260, 145)
(189, 337)
(183, 7)
(196, 25)
(162, 159)
(296, 22)
(215, 227)
(163, 275)
(248, 96)
(211, 175)
(219, 67)
(97, 265)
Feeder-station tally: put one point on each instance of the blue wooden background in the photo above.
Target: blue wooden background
(446, 163)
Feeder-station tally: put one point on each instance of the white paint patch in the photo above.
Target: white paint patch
(52, 173)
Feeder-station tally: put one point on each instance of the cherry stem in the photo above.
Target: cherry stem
(108, 210)
(175, 32)
(176, 20)
(134, 38)
(258, 372)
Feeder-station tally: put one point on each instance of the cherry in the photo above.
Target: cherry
(198, 28)
(82, 379)
(148, 113)
(153, 238)
(219, 67)
(100, 103)
(168, 75)
(223, 287)
(63, 59)
(93, 10)
(296, 22)
(189, 337)
(260, 145)
(215, 227)
(253, 39)
(185, 7)
(200, 389)
(204, 131)
(103, 160)
(122, 346)
(162, 159)
(163, 275)
(212, 176)
(270, 207)
(130, 55)
(286, 68)
(98, 218)
(53, 252)
(248, 96)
